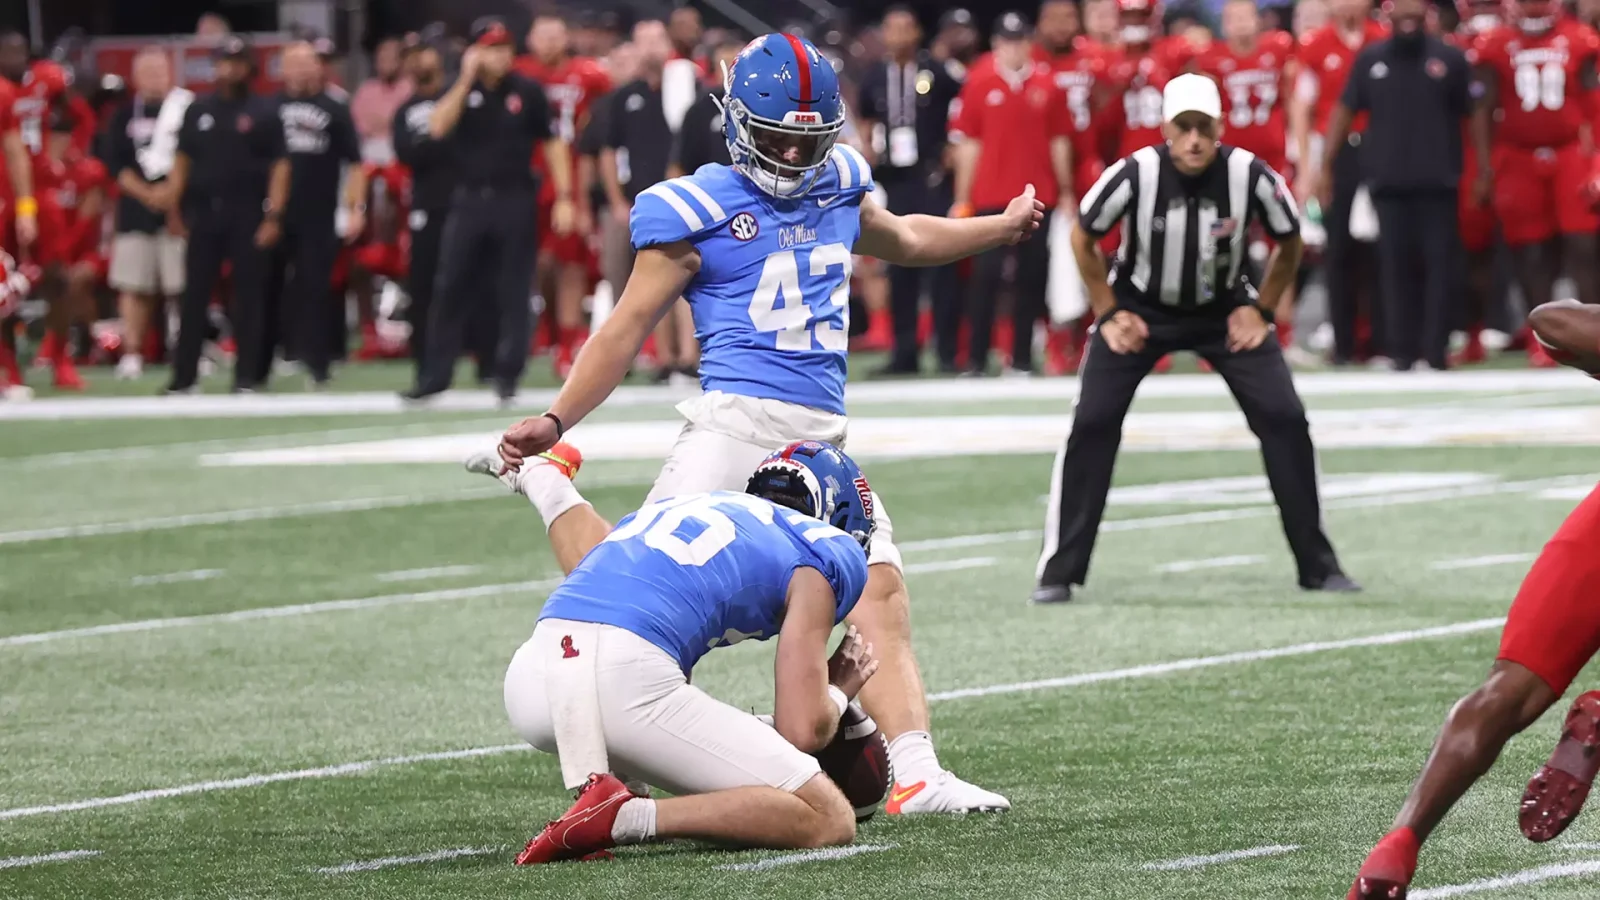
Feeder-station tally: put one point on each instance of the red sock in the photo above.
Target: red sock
(1395, 857)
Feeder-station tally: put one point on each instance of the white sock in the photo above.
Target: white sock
(636, 822)
(911, 758)
(551, 492)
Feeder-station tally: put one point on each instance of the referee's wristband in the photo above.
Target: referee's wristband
(561, 428)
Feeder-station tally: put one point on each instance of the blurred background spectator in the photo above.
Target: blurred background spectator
(375, 101)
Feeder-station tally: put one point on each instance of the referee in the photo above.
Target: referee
(1187, 210)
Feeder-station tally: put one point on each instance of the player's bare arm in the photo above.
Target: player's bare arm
(1061, 165)
(1481, 128)
(919, 240)
(1299, 110)
(1123, 332)
(659, 277)
(558, 160)
(804, 710)
(21, 168)
(966, 158)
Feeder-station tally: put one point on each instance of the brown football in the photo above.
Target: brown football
(858, 761)
(1570, 331)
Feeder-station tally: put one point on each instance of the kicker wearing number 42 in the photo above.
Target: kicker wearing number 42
(762, 251)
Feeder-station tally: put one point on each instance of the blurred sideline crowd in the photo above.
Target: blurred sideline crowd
(953, 122)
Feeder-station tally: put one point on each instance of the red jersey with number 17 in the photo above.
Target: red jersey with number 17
(1253, 93)
(1539, 81)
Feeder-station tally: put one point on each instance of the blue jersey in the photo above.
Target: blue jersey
(772, 299)
(706, 570)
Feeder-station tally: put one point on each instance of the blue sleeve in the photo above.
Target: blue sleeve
(845, 564)
(675, 210)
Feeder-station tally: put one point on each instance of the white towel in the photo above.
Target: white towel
(1065, 294)
(572, 690)
(680, 87)
(156, 158)
(1363, 216)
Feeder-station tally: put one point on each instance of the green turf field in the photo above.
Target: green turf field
(230, 668)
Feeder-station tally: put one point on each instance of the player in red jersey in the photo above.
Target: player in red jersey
(1475, 214)
(572, 84)
(1137, 72)
(1551, 632)
(71, 189)
(42, 85)
(1539, 75)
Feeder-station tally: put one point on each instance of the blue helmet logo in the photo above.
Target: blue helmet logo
(819, 480)
(782, 113)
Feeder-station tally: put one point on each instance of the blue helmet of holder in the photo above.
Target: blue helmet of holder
(782, 113)
(818, 479)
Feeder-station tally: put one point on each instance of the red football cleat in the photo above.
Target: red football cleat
(1164, 364)
(49, 349)
(67, 377)
(1539, 357)
(567, 458)
(584, 832)
(1376, 889)
(10, 372)
(1555, 795)
(1386, 873)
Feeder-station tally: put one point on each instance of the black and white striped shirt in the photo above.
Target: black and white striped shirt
(1185, 238)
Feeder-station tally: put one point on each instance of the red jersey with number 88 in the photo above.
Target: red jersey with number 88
(1539, 81)
(1252, 93)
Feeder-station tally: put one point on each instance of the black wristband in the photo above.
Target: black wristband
(561, 428)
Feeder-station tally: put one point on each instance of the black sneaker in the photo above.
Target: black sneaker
(419, 394)
(1337, 583)
(1051, 594)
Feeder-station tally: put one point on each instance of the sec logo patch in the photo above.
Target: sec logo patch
(744, 227)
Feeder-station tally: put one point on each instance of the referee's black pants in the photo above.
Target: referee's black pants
(297, 310)
(1348, 262)
(1261, 384)
(911, 193)
(1418, 252)
(222, 230)
(492, 231)
(1028, 303)
(423, 269)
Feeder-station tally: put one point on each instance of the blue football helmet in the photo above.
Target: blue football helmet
(782, 113)
(818, 479)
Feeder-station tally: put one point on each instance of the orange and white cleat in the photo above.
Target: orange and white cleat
(1556, 793)
(945, 793)
(584, 831)
(566, 459)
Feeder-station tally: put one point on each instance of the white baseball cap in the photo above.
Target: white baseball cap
(1190, 93)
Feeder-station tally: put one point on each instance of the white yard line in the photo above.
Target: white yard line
(1479, 562)
(281, 612)
(1200, 862)
(1226, 659)
(234, 516)
(1215, 562)
(175, 577)
(1515, 879)
(1145, 671)
(951, 565)
(16, 862)
(807, 856)
(372, 865)
(425, 574)
(968, 540)
(248, 781)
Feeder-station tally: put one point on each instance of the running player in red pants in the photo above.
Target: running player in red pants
(1552, 631)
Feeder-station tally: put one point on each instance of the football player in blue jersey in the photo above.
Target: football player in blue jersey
(603, 683)
(762, 251)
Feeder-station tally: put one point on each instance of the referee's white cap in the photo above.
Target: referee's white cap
(1190, 93)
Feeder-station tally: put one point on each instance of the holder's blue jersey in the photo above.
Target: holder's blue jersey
(706, 570)
(771, 301)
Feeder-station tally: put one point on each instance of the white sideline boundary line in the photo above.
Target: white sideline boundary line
(1214, 562)
(1515, 879)
(1199, 862)
(282, 612)
(1207, 662)
(233, 784)
(1479, 562)
(1144, 671)
(951, 565)
(807, 856)
(372, 865)
(17, 862)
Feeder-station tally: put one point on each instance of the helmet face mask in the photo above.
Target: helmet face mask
(1537, 16)
(777, 135)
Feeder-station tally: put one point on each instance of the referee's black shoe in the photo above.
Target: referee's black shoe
(1051, 594)
(1337, 583)
(421, 394)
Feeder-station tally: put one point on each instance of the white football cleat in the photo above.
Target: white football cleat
(130, 367)
(488, 462)
(944, 794)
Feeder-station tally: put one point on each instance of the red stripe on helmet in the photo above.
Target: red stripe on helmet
(804, 69)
